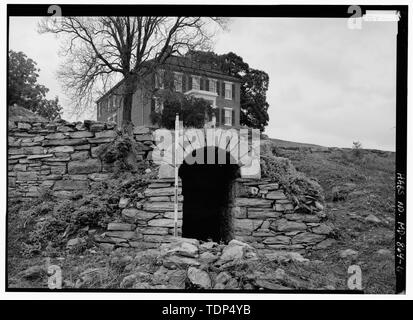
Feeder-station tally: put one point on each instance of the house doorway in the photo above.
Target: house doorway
(208, 191)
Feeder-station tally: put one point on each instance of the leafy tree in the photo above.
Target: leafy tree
(99, 48)
(192, 111)
(254, 85)
(24, 90)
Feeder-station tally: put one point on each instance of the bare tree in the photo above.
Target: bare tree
(99, 48)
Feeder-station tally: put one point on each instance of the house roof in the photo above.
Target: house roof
(185, 64)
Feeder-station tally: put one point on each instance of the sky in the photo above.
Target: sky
(329, 85)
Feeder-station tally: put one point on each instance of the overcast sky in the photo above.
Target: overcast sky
(329, 85)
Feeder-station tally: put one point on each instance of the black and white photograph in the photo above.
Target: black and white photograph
(262, 150)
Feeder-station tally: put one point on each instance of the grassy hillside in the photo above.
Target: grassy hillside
(368, 183)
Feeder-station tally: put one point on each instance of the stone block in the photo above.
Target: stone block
(253, 202)
(88, 166)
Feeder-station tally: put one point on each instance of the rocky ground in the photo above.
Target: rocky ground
(360, 204)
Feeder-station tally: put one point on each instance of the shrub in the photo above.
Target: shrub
(296, 184)
(357, 149)
(123, 152)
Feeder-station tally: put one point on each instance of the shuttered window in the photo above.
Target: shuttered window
(178, 81)
(212, 85)
(196, 82)
(228, 117)
(228, 90)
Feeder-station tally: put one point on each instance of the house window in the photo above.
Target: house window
(196, 82)
(158, 105)
(228, 117)
(212, 85)
(98, 107)
(159, 79)
(228, 90)
(178, 81)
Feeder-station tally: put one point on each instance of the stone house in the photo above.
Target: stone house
(180, 75)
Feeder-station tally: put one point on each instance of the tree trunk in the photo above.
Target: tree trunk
(127, 124)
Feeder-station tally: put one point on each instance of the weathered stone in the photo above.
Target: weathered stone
(81, 134)
(106, 134)
(277, 240)
(184, 249)
(79, 155)
(322, 229)
(232, 252)
(253, 202)
(179, 261)
(64, 142)
(159, 185)
(87, 166)
(57, 135)
(27, 176)
(71, 185)
(100, 140)
(57, 159)
(62, 149)
(123, 202)
(159, 199)
(284, 225)
(161, 206)
(246, 226)
(199, 278)
(275, 195)
(117, 226)
(166, 171)
(135, 214)
(302, 217)
(269, 186)
(75, 242)
(163, 223)
(281, 207)
(157, 238)
(254, 213)
(325, 244)
(307, 238)
(161, 192)
(23, 125)
(124, 235)
(39, 156)
(171, 215)
(155, 230)
(207, 257)
(239, 212)
(372, 218)
(94, 127)
(99, 176)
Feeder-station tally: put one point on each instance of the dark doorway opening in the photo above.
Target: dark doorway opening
(208, 191)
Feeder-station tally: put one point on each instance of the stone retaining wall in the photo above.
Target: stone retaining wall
(60, 156)
(261, 213)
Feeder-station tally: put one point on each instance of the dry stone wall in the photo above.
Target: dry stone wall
(262, 215)
(60, 157)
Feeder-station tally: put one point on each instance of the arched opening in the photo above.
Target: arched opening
(208, 191)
